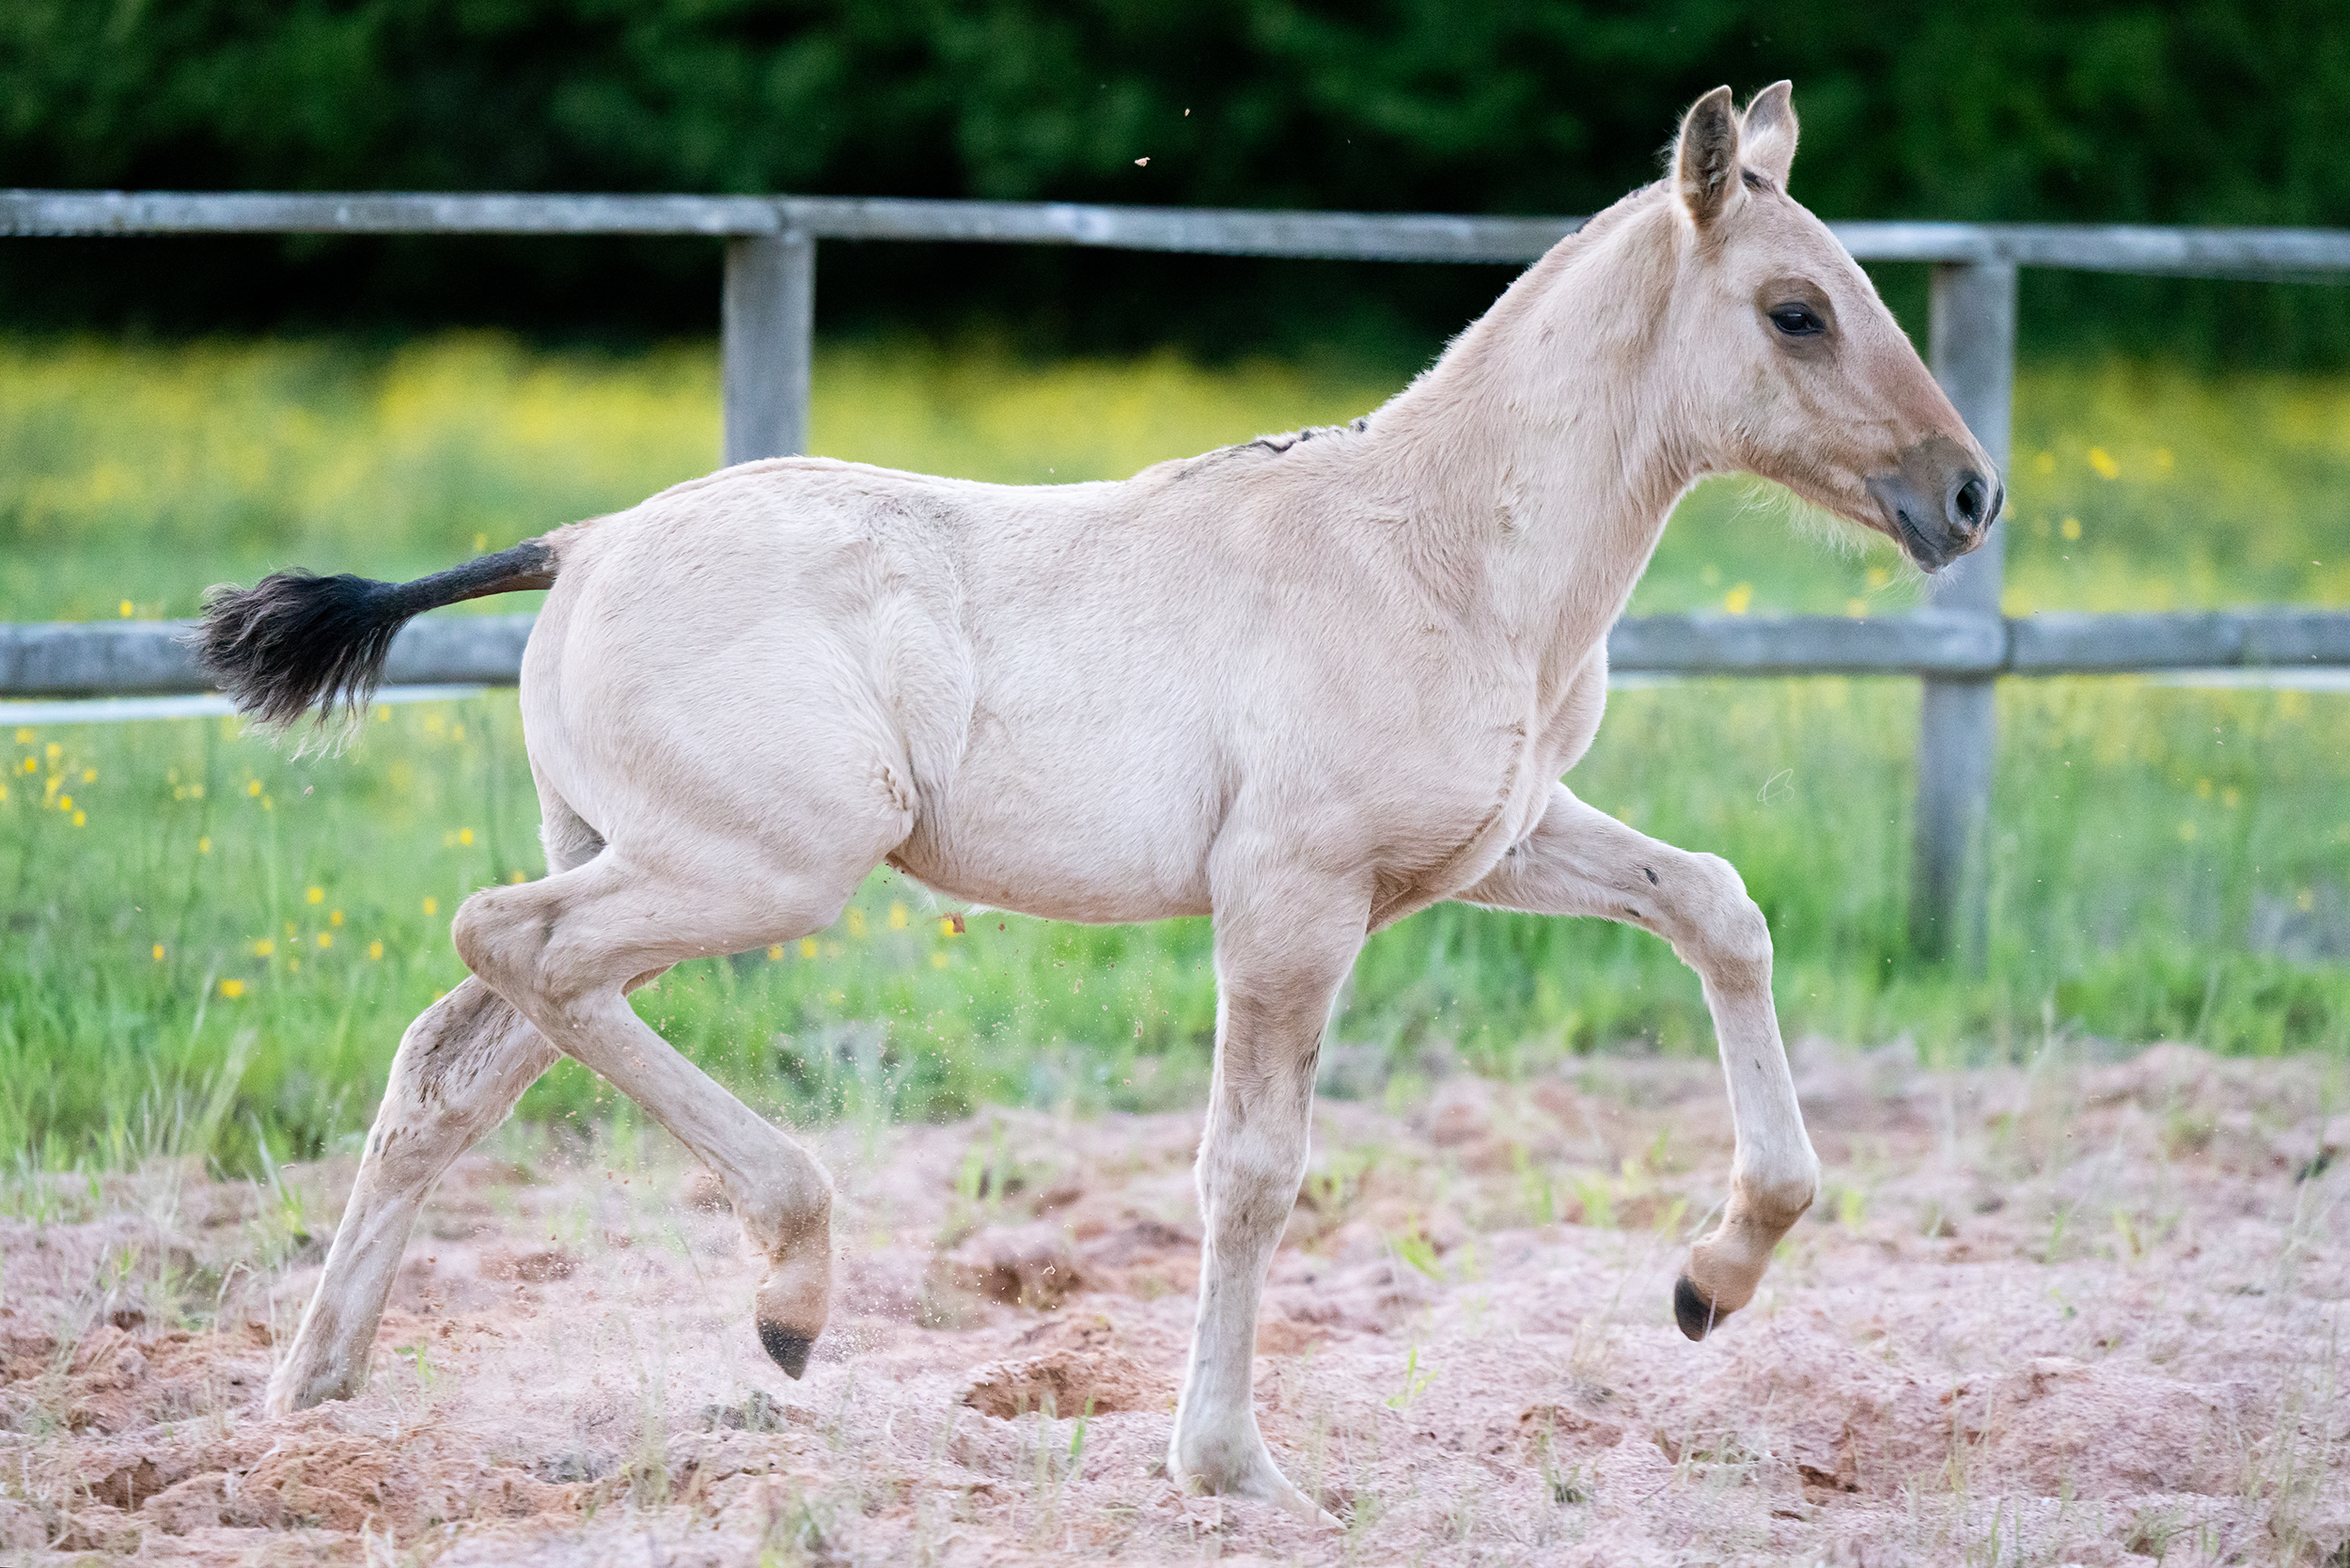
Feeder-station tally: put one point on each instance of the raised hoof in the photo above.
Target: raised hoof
(1697, 1316)
(788, 1350)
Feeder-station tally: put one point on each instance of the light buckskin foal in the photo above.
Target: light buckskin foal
(1307, 685)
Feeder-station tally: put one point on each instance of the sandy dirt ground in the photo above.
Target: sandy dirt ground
(2082, 1314)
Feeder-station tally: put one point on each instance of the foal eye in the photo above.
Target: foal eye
(1798, 321)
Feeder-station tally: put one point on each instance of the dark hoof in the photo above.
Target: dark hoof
(788, 1350)
(1696, 1315)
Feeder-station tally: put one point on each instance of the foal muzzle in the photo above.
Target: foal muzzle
(1939, 504)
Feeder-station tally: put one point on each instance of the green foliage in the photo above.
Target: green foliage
(2212, 112)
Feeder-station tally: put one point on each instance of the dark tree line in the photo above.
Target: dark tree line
(2203, 111)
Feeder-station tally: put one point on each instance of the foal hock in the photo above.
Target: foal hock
(1308, 686)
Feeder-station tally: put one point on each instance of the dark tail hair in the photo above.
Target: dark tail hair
(294, 641)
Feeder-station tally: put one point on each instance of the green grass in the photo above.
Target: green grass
(2167, 863)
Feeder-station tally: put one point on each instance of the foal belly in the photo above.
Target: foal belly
(1050, 883)
(1092, 838)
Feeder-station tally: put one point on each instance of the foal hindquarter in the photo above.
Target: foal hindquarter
(711, 870)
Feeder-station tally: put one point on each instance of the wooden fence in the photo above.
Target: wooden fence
(1959, 646)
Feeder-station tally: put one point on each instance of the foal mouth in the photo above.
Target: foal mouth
(1913, 539)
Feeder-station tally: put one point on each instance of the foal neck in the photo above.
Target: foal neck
(1541, 446)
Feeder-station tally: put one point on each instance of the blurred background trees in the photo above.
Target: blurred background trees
(2206, 111)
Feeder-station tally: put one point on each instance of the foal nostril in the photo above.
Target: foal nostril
(1972, 503)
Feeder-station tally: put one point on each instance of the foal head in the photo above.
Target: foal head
(1802, 374)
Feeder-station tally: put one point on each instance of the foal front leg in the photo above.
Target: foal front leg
(1283, 945)
(1581, 861)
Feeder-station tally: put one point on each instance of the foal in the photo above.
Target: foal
(1308, 686)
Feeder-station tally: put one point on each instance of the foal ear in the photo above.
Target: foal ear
(1706, 161)
(1768, 140)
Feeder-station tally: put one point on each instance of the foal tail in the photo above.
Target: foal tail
(294, 641)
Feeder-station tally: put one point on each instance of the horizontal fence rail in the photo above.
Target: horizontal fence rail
(151, 658)
(2233, 253)
(1958, 647)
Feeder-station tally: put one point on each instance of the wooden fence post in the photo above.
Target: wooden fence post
(1972, 346)
(767, 313)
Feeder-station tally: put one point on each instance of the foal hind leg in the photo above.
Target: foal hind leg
(1581, 861)
(461, 1067)
(566, 950)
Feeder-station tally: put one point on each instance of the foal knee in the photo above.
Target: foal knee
(1722, 928)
